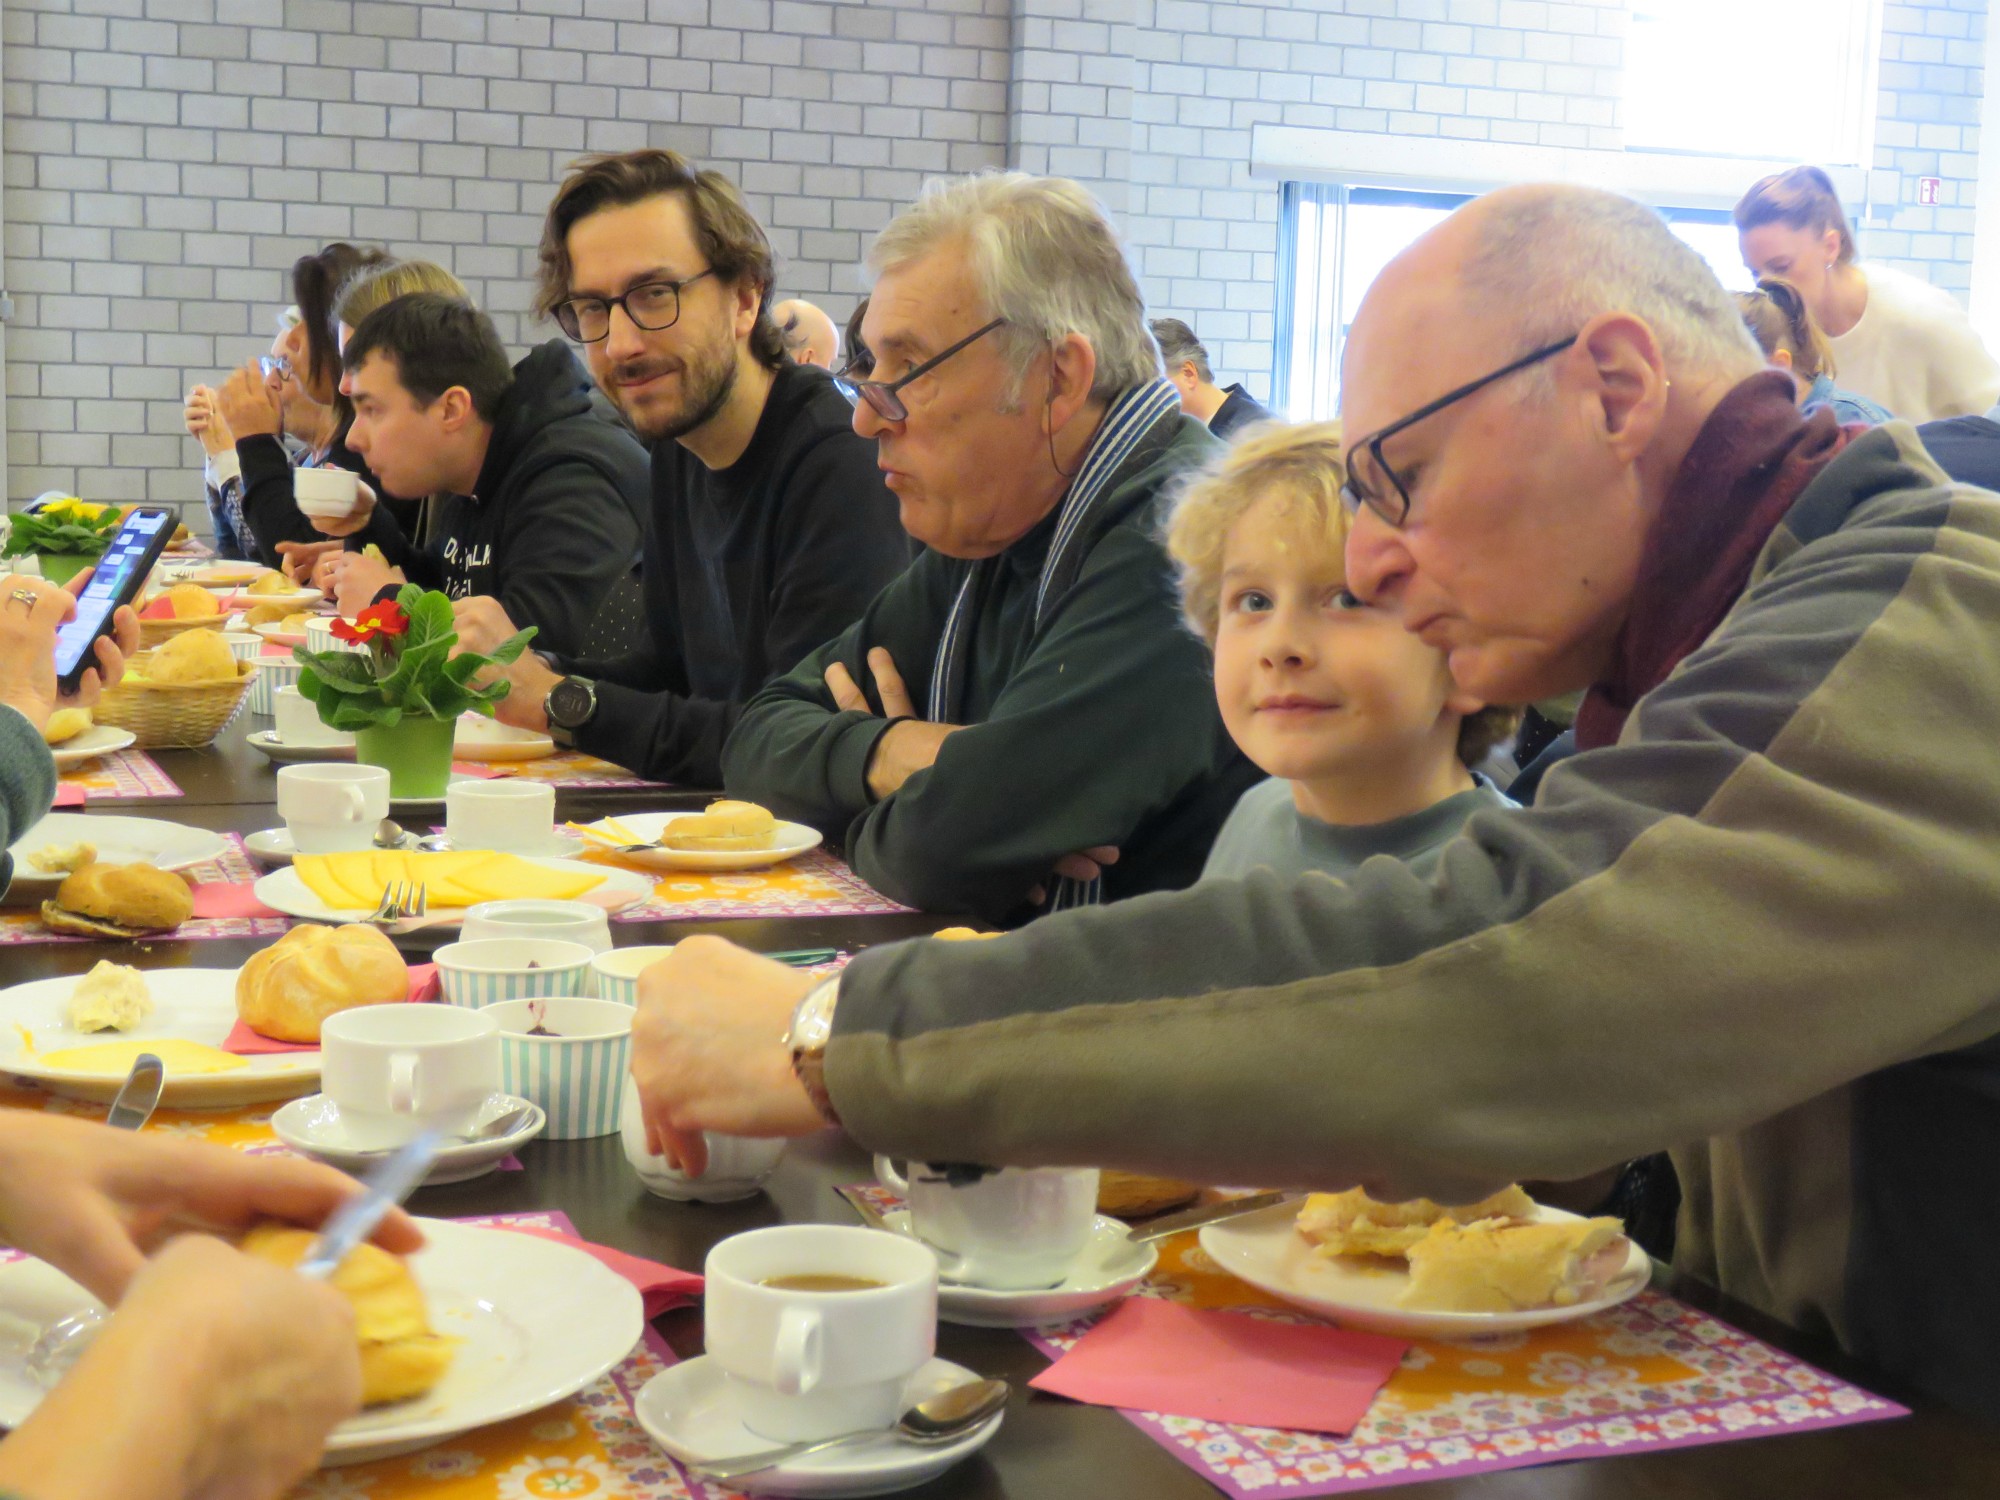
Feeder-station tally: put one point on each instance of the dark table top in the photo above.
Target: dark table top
(1048, 1446)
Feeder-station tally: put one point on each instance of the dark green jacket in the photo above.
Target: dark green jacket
(1097, 727)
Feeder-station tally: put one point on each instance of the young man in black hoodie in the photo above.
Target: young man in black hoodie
(540, 492)
(770, 528)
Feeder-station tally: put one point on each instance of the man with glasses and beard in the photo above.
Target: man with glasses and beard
(770, 528)
(1019, 720)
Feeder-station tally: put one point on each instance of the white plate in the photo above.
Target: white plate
(194, 1005)
(274, 846)
(99, 739)
(277, 635)
(118, 841)
(225, 575)
(794, 839)
(312, 1127)
(293, 599)
(540, 1321)
(1265, 1250)
(1111, 1265)
(267, 744)
(282, 890)
(683, 1410)
(480, 738)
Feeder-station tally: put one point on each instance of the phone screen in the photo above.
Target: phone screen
(113, 583)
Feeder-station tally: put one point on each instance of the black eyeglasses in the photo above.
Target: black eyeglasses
(1382, 491)
(652, 305)
(883, 395)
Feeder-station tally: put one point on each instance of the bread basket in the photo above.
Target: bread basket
(159, 632)
(173, 715)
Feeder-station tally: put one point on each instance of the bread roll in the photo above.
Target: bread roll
(266, 614)
(111, 997)
(119, 901)
(965, 935)
(400, 1356)
(311, 972)
(723, 825)
(1352, 1223)
(190, 601)
(1496, 1266)
(273, 582)
(192, 656)
(65, 724)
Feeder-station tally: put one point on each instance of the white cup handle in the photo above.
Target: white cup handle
(796, 1361)
(890, 1178)
(403, 1083)
(357, 805)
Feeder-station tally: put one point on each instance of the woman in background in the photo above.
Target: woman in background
(1782, 324)
(1900, 341)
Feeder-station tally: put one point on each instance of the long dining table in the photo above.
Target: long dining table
(1047, 1446)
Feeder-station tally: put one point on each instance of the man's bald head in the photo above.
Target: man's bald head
(810, 337)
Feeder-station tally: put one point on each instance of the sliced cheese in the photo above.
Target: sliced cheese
(354, 881)
(114, 1059)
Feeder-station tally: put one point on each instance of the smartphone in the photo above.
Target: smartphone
(121, 572)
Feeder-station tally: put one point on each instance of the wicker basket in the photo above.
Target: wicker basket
(165, 716)
(159, 632)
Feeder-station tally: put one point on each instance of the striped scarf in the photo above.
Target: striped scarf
(1126, 424)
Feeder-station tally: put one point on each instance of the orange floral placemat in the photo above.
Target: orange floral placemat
(123, 773)
(816, 884)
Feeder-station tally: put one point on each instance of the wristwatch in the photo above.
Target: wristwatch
(811, 1029)
(569, 706)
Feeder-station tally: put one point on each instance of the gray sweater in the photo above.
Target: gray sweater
(1268, 832)
(27, 783)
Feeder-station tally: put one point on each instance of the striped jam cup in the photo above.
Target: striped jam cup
(576, 1074)
(618, 971)
(483, 973)
(272, 673)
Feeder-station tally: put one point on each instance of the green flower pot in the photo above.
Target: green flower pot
(60, 567)
(415, 752)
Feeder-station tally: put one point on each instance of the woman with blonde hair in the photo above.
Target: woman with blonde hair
(1784, 328)
(1900, 341)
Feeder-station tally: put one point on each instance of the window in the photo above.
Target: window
(1786, 79)
(1333, 242)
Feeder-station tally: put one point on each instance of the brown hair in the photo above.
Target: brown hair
(728, 233)
(1302, 461)
(315, 279)
(1802, 198)
(365, 291)
(1778, 318)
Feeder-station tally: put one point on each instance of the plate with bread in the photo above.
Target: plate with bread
(64, 842)
(726, 836)
(74, 741)
(1423, 1270)
(347, 887)
(479, 1326)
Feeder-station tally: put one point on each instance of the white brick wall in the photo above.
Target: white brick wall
(166, 160)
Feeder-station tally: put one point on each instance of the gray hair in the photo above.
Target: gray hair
(1044, 257)
(1179, 346)
(1558, 256)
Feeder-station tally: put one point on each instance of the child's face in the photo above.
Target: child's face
(1311, 682)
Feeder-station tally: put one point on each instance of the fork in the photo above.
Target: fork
(402, 901)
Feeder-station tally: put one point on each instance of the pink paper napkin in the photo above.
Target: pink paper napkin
(246, 1043)
(662, 1286)
(272, 651)
(477, 770)
(69, 794)
(222, 898)
(1157, 1356)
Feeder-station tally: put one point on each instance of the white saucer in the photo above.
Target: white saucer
(312, 1127)
(1111, 1265)
(99, 739)
(274, 846)
(683, 1410)
(267, 744)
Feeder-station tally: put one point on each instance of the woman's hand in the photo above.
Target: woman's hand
(204, 421)
(32, 610)
(250, 405)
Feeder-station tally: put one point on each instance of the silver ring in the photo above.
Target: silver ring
(26, 596)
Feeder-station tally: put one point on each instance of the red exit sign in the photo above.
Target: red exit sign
(1927, 190)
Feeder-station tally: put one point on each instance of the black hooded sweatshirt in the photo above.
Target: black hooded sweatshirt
(554, 519)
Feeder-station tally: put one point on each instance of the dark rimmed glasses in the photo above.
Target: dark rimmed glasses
(651, 306)
(885, 395)
(1382, 490)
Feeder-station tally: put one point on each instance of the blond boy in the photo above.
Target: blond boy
(1369, 742)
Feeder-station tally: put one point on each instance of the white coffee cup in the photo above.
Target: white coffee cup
(1013, 1229)
(328, 808)
(297, 721)
(801, 1365)
(514, 816)
(326, 492)
(737, 1164)
(391, 1070)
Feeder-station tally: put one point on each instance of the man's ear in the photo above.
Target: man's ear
(455, 409)
(1072, 372)
(1625, 375)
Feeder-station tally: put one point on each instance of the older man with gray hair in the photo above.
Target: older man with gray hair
(1751, 922)
(1017, 719)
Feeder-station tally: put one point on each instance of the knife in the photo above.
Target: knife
(385, 1187)
(1213, 1213)
(139, 1095)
